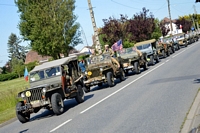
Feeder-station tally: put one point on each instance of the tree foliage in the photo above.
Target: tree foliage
(142, 26)
(17, 66)
(50, 25)
(15, 50)
(191, 17)
(186, 25)
(164, 30)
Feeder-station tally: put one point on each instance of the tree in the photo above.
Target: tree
(113, 29)
(185, 24)
(141, 26)
(17, 66)
(157, 31)
(49, 25)
(164, 30)
(14, 49)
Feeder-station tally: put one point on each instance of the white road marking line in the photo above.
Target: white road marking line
(166, 60)
(178, 54)
(60, 125)
(120, 89)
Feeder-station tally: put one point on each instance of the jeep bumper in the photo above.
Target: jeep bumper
(23, 108)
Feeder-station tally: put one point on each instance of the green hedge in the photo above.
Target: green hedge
(9, 76)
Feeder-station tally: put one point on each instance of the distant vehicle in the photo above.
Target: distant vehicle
(50, 84)
(131, 60)
(182, 39)
(149, 47)
(101, 69)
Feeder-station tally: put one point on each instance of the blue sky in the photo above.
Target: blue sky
(102, 9)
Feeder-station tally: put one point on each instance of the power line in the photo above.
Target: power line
(124, 5)
(6, 5)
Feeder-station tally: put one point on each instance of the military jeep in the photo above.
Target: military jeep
(50, 84)
(182, 40)
(101, 69)
(131, 60)
(149, 47)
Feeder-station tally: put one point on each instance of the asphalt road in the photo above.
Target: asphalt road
(155, 101)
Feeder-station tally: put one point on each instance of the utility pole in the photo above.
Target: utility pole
(98, 46)
(195, 12)
(170, 16)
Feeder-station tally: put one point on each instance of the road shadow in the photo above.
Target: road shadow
(68, 104)
(197, 81)
(23, 131)
(173, 79)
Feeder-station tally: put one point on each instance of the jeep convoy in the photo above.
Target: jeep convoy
(53, 82)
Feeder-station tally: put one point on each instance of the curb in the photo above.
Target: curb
(191, 115)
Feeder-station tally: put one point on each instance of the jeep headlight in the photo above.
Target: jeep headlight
(101, 69)
(130, 60)
(44, 90)
(86, 73)
(22, 95)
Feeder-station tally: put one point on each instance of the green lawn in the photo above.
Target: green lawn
(13, 84)
(8, 97)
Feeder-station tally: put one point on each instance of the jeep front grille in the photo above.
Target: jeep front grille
(36, 94)
(95, 73)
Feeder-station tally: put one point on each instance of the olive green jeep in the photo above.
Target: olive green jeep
(101, 69)
(150, 49)
(182, 39)
(131, 60)
(50, 84)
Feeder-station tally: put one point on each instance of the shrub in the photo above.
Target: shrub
(9, 76)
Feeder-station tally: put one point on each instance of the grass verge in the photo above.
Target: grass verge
(8, 97)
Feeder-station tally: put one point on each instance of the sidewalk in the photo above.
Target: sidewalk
(192, 122)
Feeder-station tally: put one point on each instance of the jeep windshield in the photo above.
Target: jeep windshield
(144, 46)
(44, 74)
(98, 59)
(125, 51)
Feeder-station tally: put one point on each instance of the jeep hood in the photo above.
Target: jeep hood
(129, 56)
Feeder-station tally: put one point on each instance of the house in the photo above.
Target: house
(175, 29)
(32, 56)
(86, 49)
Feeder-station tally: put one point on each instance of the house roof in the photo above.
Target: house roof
(32, 56)
(54, 63)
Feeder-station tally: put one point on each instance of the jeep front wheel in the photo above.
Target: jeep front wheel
(110, 79)
(57, 103)
(122, 74)
(22, 117)
(152, 60)
(137, 67)
(80, 94)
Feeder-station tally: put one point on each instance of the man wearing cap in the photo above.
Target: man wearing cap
(108, 50)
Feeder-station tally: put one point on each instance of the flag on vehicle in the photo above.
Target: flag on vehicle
(117, 46)
(26, 74)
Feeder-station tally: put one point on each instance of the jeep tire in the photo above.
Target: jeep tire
(86, 89)
(122, 74)
(57, 103)
(22, 117)
(152, 60)
(164, 54)
(80, 94)
(110, 79)
(137, 67)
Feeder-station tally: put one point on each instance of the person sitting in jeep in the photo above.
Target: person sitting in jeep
(108, 50)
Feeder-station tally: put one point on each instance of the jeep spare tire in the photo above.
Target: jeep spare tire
(57, 103)
(22, 117)
(80, 94)
(110, 79)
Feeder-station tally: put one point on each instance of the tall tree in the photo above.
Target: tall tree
(157, 33)
(15, 49)
(17, 66)
(50, 25)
